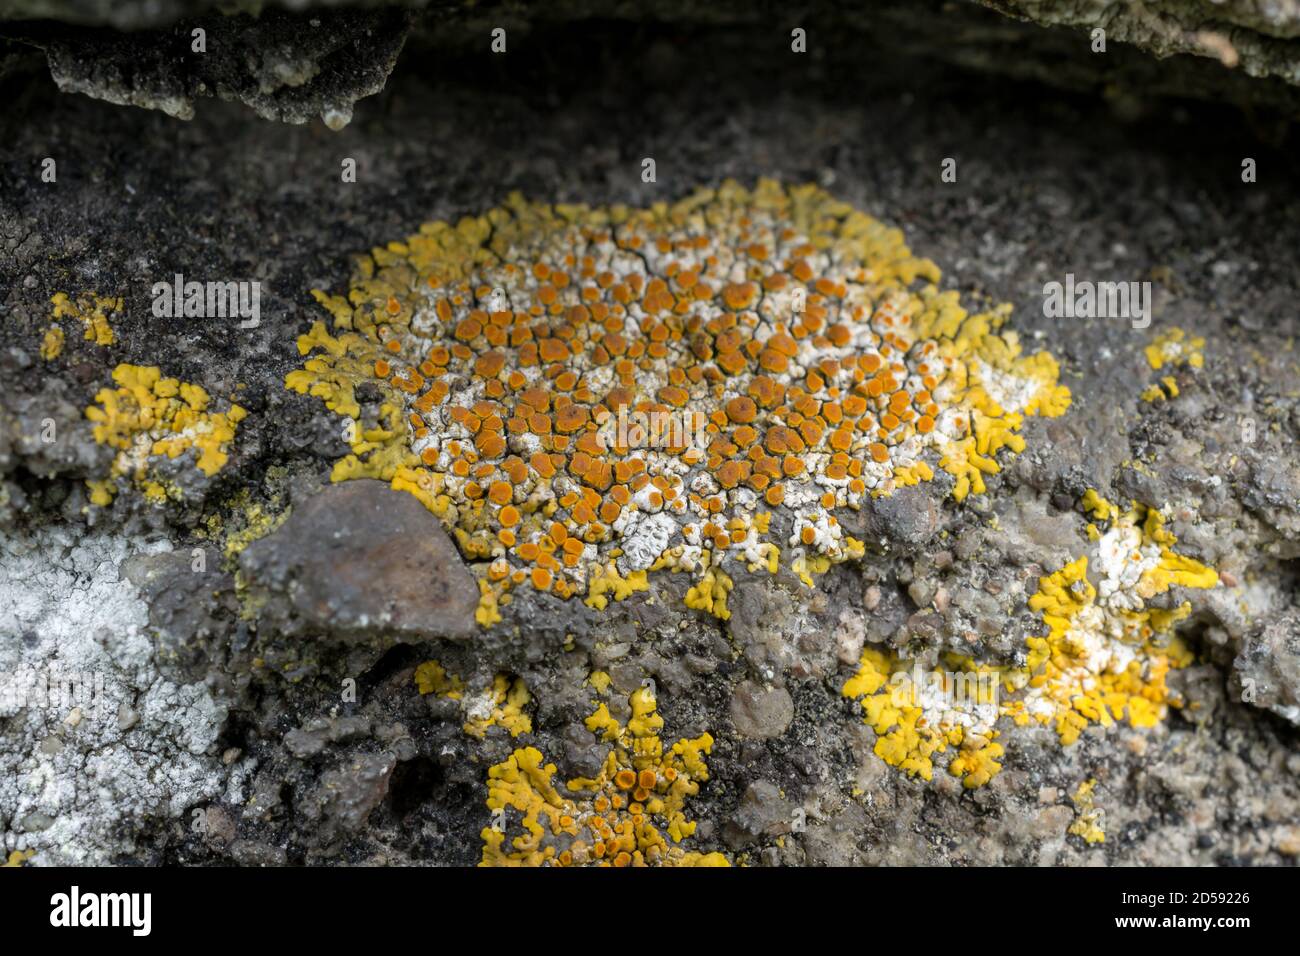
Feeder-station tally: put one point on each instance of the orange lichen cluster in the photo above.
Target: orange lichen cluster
(574, 388)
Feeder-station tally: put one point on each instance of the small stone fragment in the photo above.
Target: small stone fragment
(361, 562)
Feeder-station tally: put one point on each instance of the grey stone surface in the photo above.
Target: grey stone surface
(761, 712)
(1268, 666)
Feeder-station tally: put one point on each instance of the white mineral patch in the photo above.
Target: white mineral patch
(78, 792)
(1012, 392)
(647, 539)
(1122, 560)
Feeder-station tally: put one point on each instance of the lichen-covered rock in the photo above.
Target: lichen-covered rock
(1052, 669)
(98, 744)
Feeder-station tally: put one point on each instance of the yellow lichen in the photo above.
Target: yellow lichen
(92, 311)
(630, 814)
(1175, 347)
(52, 343)
(1089, 819)
(806, 568)
(1097, 506)
(253, 520)
(1167, 388)
(18, 857)
(1172, 348)
(488, 611)
(710, 593)
(1106, 654)
(432, 678)
(606, 583)
(918, 713)
(1105, 658)
(500, 704)
(148, 417)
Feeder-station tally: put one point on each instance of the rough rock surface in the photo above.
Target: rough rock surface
(287, 68)
(235, 738)
(95, 740)
(1260, 37)
(296, 60)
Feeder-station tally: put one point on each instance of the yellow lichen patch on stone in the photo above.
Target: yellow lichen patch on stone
(52, 343)
(488, 611)
(1089, 817)
(606, 583)
(632, 813)
(1175, 347)
(807, 567)
(586, 394)
(247, 521)
(1105, 658)
(1167, 387)
(709, 594)
(92, 311)
(18, 857)
(1097, 506)
(919, 712)
(1171, 349)
(432, 678)
(147, 418)
(1106, 655)
(500, 704)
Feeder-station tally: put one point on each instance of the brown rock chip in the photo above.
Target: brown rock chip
(359, 561)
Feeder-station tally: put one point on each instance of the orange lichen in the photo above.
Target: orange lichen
(631, 374)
